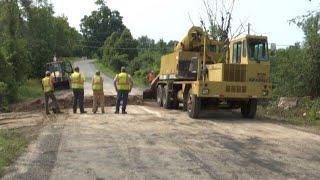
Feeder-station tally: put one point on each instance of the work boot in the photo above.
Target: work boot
(83, 112)
(124, 112)
(48, 113)
(117, 112)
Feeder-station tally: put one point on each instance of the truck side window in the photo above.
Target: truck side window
(68, 67)
(193, 67)
(244, 50)
(236, 57)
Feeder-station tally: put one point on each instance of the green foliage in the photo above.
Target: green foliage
(29, 90)
(139, 56)
(67, 39)
(295, 70)
(30, 36)
(289, 72)
(97, 27)
(311, 28)
(119, 50)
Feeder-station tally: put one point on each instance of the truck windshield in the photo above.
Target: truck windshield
(55, 67)
(258, 50)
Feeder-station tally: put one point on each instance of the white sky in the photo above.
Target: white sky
(168, 19)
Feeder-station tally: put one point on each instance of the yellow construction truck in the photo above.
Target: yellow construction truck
(206, 74)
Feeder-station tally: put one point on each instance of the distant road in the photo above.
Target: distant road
(88, 69)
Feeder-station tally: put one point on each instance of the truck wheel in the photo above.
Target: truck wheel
(166, 99)
(193, 106)
(159, 95)
(249, 109)
(68, 85)
(175, 102)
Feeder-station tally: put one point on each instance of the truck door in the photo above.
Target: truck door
(236, 56)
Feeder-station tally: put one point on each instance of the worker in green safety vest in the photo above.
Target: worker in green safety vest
(48, 89)
(77, 83)
(123, 84)
(98, 95)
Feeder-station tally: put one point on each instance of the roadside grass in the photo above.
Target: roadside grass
(306, 113)
(138, 82)
(12, 145)
(107, 71)
(30, 90)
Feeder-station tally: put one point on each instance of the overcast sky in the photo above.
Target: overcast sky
(168, 19)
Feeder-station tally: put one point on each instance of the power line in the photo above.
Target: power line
(137, 48)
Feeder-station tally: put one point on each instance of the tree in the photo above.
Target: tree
(14, 45)
(97, 27)
(311, 28)
(41, 37)
(219, 15)
(119, 50)
(66, 38)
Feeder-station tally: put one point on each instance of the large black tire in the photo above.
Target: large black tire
(249, 109)
(159, 95)
(166, 98)
(67, 85)
(193, 105)
(175, 101)
(185, 99)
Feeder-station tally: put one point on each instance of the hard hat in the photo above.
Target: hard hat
(48, 73)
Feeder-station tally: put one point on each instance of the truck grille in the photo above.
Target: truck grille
(234, 73)
(236, 89)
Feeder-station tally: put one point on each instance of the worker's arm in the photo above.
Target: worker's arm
(115, 83)
(42, 85)
(51, 82)
(92, 81)
(131, 83)
(101, 83)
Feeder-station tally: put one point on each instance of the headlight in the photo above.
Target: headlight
(205, 91)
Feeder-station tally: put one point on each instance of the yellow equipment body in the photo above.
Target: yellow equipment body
(199, 74)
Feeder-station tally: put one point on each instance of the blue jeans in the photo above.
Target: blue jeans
(122, 95)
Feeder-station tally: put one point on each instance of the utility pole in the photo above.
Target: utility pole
(249, 28)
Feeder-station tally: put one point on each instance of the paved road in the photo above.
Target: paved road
(153, 143)
(88, 69)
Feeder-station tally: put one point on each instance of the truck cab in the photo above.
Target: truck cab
(249, 50)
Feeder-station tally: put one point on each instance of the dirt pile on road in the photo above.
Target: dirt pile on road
(67, 101)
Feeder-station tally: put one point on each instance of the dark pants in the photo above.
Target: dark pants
(122, 96)
(50, 95)
(78, 96)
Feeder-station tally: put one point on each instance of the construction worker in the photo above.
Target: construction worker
(123, 84)
(98, 96)
(48, 89)
(151, 76)
(77, 83)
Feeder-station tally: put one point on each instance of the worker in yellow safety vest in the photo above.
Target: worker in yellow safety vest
(98, 95)
(77, 83)
(48, 89)
(123, 84)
